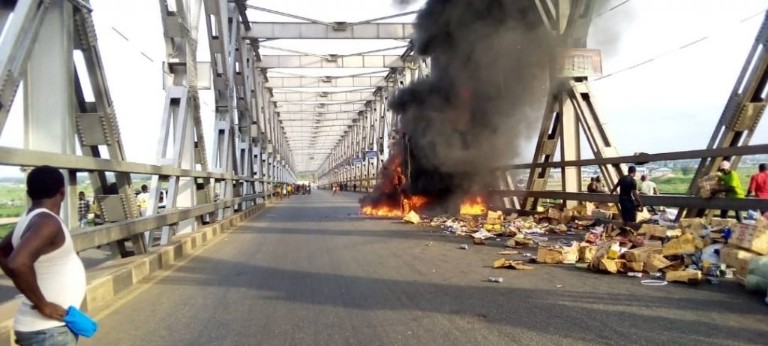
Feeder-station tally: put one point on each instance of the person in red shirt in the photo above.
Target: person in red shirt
(758, 185)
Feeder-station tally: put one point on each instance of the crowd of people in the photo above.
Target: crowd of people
(298, 189)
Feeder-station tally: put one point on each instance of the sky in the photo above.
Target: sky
(671, 103)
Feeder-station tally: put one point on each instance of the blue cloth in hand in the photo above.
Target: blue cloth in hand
(79, 323)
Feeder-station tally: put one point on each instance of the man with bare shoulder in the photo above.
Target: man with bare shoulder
(40, 258)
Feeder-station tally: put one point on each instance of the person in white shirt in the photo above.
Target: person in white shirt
(40, 258)
(647, 187)
(143, 200)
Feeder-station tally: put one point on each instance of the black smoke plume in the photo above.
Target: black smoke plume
(481, 104)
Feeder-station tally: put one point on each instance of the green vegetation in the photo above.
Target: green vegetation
(5, 229)
(679, 183)
(674, 184)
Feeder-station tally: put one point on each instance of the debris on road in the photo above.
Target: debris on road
(412, 217)
(689, 251)
(495, 279)
(505, 263)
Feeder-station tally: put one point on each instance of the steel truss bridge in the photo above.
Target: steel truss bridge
(281, 112)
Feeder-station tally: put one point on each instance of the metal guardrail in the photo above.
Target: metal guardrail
(116, 231)
(102, 235)
(646, 158)
(657, 200)
(33, 158)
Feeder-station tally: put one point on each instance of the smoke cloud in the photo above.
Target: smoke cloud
(482, 103)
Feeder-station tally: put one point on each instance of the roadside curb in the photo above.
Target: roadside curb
(107, 281)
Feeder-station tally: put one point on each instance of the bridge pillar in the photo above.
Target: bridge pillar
(48, 95)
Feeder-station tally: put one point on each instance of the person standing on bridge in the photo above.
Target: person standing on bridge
(83, 208)
(731, 186)
(143, 200)
(599, 185)
(648, 188)
(40, 258)
(629, 199)
(758, 184)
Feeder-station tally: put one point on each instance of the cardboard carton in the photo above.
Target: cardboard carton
(708, 184)
(737, 258)
(635, 266)
(640, 254)
(686, 276)
(586, 252)
(655, 262)
(494, 217)
(751, 237)
(656, 231)
(643, 215)
(558, 254)
(684, 245)
(694, 225)
(613, 265)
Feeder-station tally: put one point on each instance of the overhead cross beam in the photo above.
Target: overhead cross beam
(357, 61)
(276, 31)
(321, 97)
(319, 108)
(323, 82)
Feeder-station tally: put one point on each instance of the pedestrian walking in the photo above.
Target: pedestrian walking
(629, 199)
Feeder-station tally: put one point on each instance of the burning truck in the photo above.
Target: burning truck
(479, 107)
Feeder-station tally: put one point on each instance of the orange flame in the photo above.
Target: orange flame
(381, 211)
(408, 204)
(473, 207)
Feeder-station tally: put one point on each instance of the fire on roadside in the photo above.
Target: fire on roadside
(473, 206)
(381, 211)
(408, 204)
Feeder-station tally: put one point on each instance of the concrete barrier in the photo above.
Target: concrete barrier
(106, 282)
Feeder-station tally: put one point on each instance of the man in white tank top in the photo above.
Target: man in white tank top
(40, 258)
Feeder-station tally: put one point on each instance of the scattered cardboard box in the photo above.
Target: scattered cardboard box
(412, 217)
(558, 254)
(586, 252)
(635, 266)
(683, 245)
(613, 265)
(505, 263)
(751, 237)
(640, 254)
(737, 258)
(685, 276)
(655, 262)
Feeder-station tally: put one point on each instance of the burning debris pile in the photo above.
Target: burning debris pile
(487, 88)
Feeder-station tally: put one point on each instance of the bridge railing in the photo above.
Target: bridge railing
(111, 232)
(668, 200)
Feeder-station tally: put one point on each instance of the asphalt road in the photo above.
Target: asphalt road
(309, 271)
